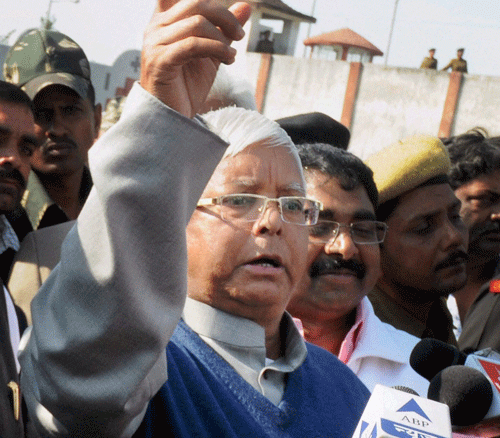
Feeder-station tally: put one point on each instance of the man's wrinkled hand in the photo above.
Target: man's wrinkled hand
(184, 44)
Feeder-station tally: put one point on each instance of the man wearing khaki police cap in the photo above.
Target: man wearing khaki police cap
(423, 257)
(55, 73)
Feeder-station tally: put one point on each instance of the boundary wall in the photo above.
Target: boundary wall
(379, 104)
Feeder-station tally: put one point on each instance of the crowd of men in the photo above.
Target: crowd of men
(210, 272)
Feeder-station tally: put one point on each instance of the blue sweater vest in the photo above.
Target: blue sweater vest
(205, 397)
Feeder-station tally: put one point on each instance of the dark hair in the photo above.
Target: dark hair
(385, 209)
(350, 171)
(91, 95)
(472, 154)
(11, 93)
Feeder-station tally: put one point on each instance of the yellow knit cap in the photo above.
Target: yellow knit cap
(408, 164)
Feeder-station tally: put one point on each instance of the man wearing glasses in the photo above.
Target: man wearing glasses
(343, 265)
(108, 353)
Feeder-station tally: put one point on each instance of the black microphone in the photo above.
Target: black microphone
(430, 356)
(466, 391)
(468, 384)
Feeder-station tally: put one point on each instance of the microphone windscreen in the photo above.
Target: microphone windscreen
(465, 390)
(430, 356)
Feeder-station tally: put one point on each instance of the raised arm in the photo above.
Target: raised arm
(184, 44)
(96, 353)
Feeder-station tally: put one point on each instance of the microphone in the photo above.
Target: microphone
(472, 392)
(468, 384)
(430, 356)
(465, 390)
(392, 413)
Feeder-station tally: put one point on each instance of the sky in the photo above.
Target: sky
(106, 28)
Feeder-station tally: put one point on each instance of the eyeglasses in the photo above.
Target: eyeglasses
(362, 232)
(247, 207)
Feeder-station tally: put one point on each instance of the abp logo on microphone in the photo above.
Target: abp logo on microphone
(391, 413)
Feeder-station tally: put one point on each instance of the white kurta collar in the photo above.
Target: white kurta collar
(241, 343)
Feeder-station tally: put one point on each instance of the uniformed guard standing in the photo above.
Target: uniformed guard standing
(457, 64)
(430, 62)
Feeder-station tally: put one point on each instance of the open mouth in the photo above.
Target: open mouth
(266, 262)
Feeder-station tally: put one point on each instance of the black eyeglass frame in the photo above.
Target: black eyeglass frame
(380, 232)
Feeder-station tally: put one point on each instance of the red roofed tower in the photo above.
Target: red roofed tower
(341, 43)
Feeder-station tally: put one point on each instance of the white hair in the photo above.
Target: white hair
(230, 88)
(242, 128)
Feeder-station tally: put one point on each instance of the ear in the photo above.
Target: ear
(97, 120)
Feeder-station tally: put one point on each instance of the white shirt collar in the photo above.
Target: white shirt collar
(241, 343)
(375, 343)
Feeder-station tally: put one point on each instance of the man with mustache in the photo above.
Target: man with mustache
(17, 143)
(54, 71)
(343, 265)
(15, 167)
(475, 177)
(423, 256)
(108, 353)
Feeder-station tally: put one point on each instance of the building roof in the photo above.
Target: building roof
(343, 37)
(278, 5)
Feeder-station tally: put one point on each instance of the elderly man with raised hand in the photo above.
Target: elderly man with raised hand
(95, 362)
(423, 257)
(343, 265)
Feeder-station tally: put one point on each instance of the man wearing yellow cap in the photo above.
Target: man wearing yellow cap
(423, 257)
